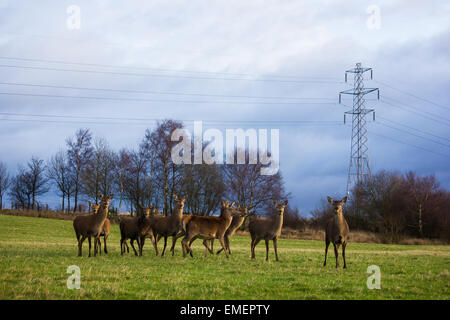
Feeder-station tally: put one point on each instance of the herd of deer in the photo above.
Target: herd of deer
(154, 225)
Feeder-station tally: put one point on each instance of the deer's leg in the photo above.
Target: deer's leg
(122, 247)
(185, 245)
(174, 241)
(132, 245)
(343, 254)
(89, 238)
(222, 242)
(98, 245)
(227, 243)
(80, 245)
(327, 244)
(104, 241)
(275, 240)
(205, 243)
(142, 245)
(165, 245)
(336, 253)
(153, 238)
(255, 242)
(267, 249)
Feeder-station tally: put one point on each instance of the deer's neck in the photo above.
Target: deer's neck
(278, 223)
(340, 220)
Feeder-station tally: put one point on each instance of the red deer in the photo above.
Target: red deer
(267, 229)
(88, 226)
(336, 231)
(136, 229)
(208, 228)
(236, 223)
(106, 225)
(168, 226)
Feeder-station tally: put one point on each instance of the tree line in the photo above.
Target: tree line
(396, 205)
(139, 177)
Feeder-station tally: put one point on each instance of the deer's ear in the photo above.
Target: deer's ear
(330, 200)
(344, 200)
(285, 203)
(100, 196)
(232, 204)
(275, 202)
(175, 197)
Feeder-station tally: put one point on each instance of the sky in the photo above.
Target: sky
(233, 64)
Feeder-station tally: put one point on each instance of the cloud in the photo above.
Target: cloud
(314, 42)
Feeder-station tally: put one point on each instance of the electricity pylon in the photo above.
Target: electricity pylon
(359, 168)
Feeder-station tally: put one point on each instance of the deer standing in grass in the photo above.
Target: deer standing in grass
(88, 226)
(208, 228)
(106, 225)
(236, 223)
(336, 231)
(136, 229)
(168, 226)
(267, 229)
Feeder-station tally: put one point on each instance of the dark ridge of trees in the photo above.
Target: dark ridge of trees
(5, 182)
(396, 205)
(79, 152)
(30, 182)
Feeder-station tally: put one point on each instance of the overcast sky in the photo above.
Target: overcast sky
(261, 49)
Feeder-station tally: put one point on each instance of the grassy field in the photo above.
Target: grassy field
(35, 254)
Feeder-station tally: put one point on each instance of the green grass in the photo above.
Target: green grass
(35, 254)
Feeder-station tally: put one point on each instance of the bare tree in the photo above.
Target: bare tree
(38, 182)
(98, 174)
(58, 172)
(79, 153)
(159, 142)
(5, 182)
(204, 187)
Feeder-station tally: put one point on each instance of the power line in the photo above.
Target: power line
(156, 92)
(157, 69)
(164, 75)
(61, 118)
(158, 100)
(413, 95)
(413, 128)
(413, 134)
(417, 113)
(411, 145)
(438, 116)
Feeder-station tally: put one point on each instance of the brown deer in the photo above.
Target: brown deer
(88, 226)
(236, 223)
(184, 222)
(168, 226)
(267, 229)
(208, 228)
(106, 225)
(336, 231)
(136, 229)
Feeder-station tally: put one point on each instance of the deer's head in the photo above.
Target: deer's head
(280, 207)
(179, 201)
(337, 205)
(94, 207)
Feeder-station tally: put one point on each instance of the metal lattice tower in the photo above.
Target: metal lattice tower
(359, 168)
